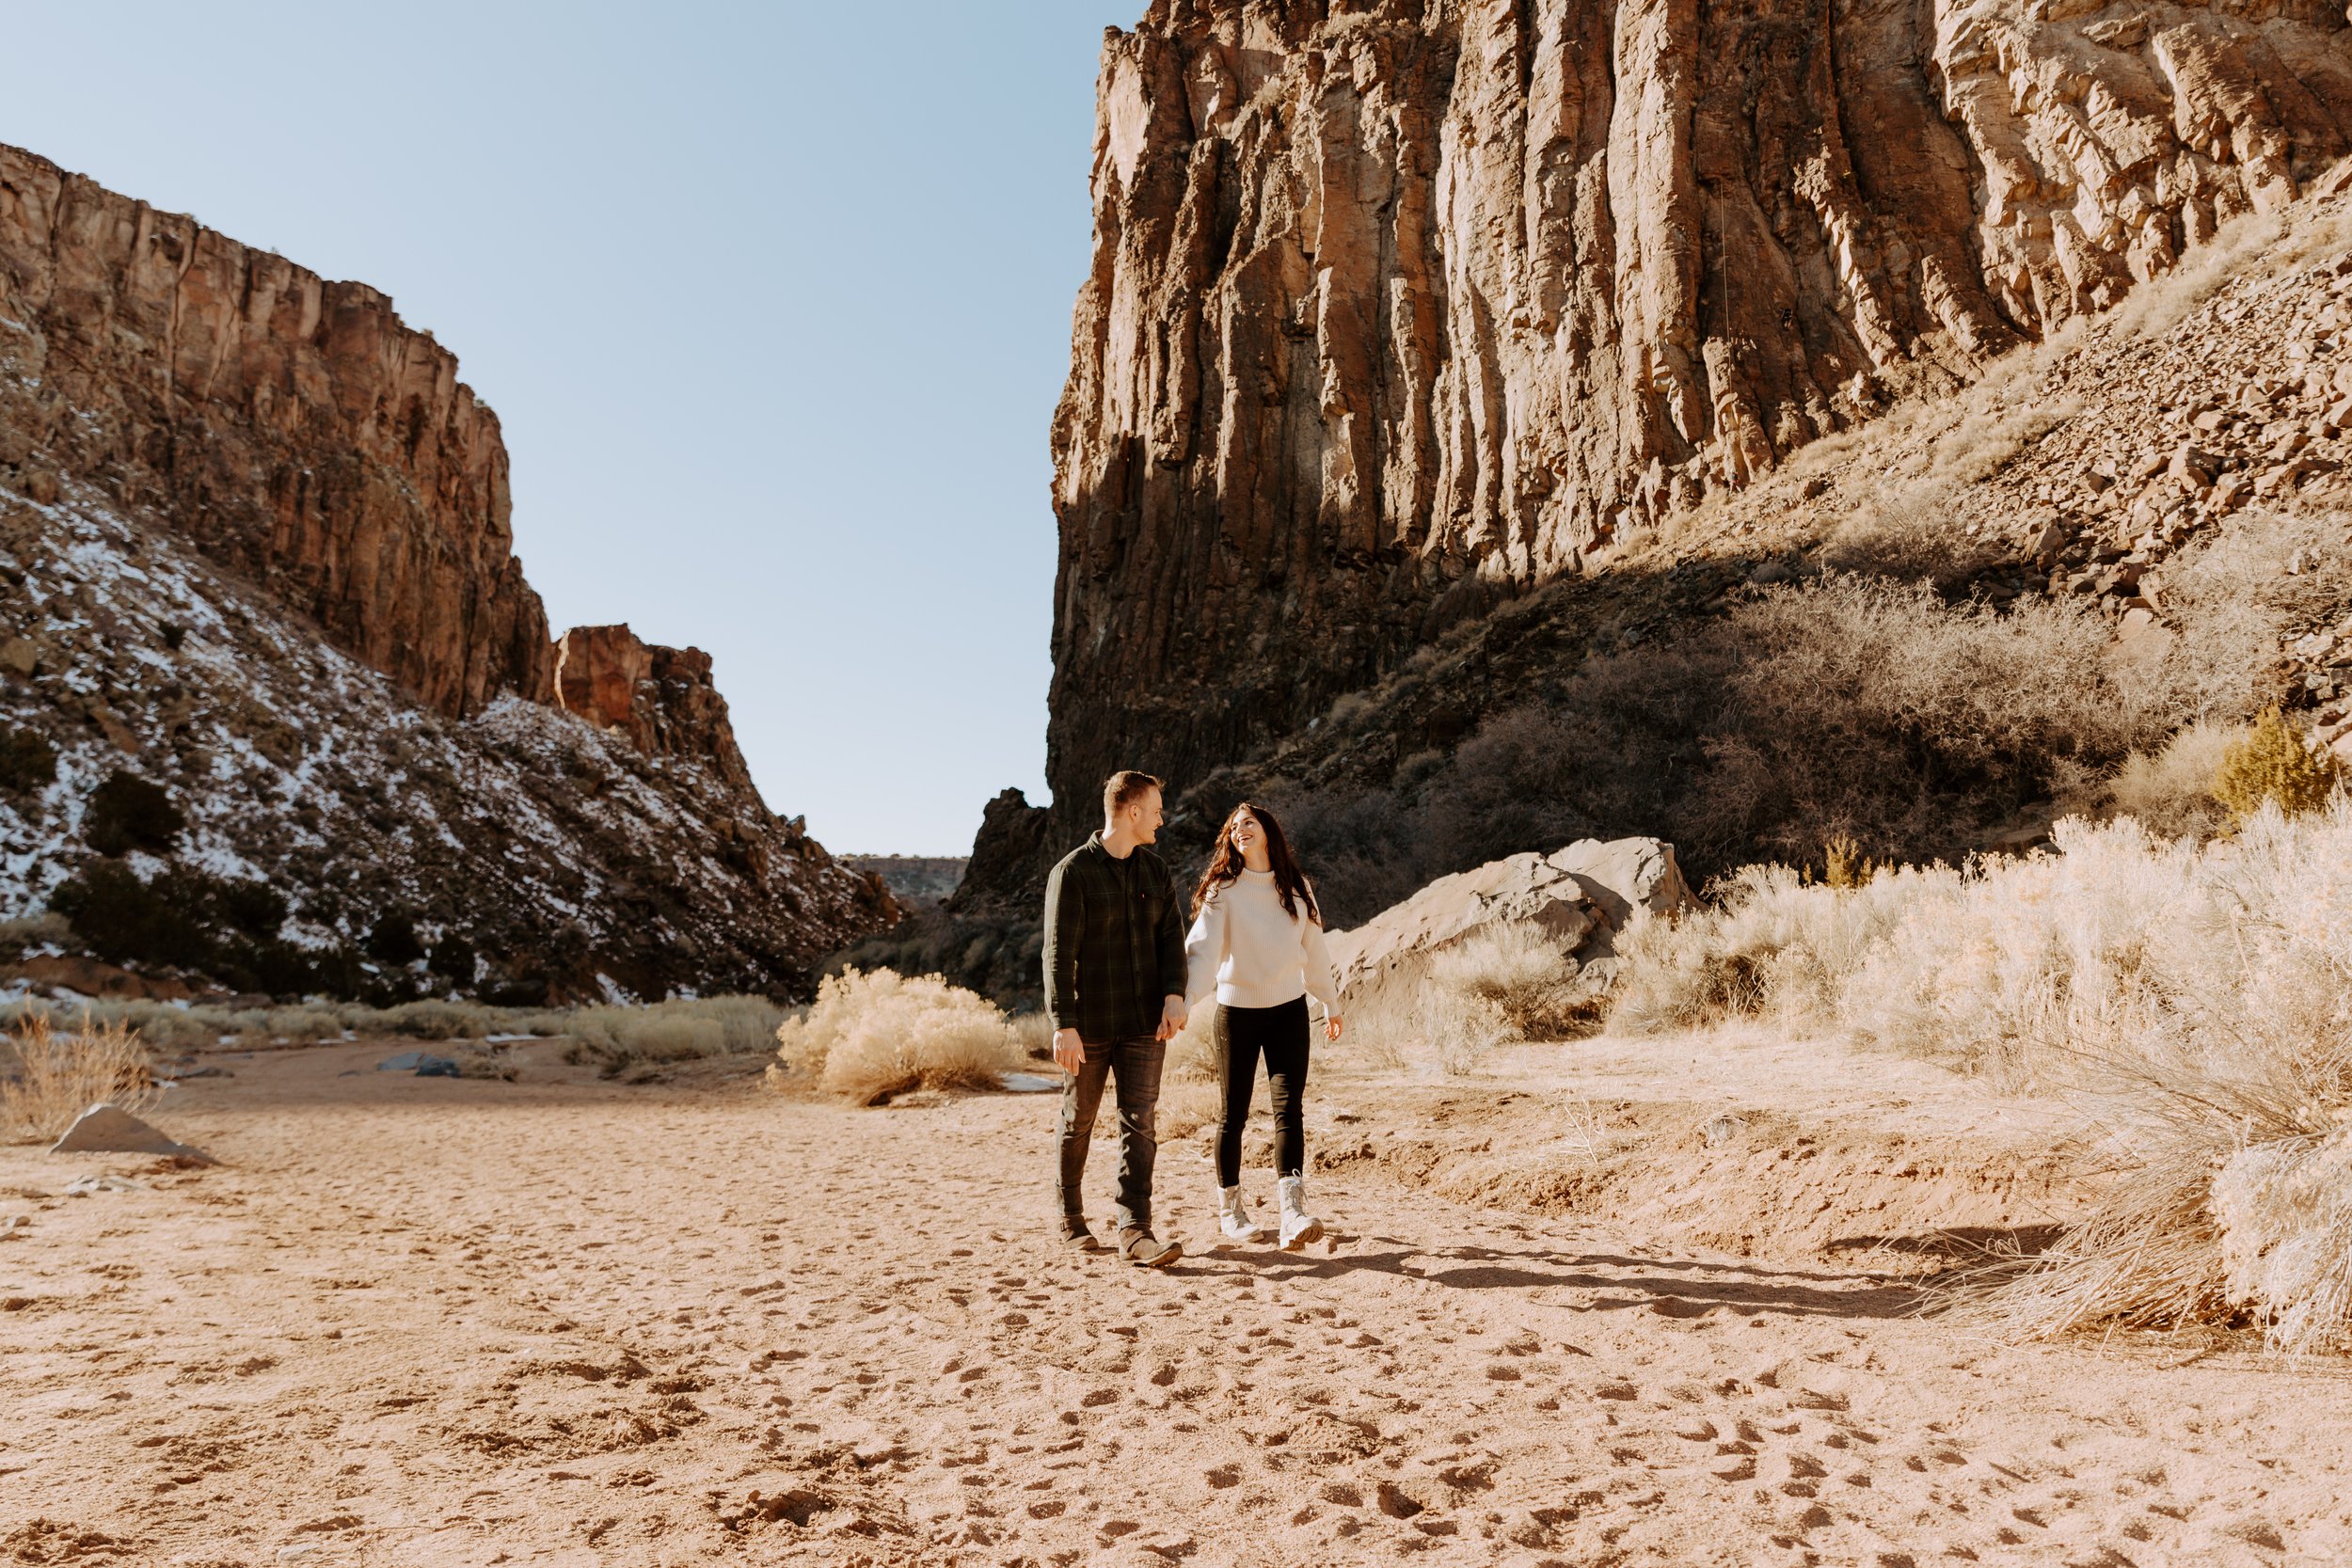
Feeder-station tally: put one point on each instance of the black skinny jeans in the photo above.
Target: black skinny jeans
(1280, 1034)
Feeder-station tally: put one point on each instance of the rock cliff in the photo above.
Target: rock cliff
(259, 576)
(1401, 306)
(292, 428)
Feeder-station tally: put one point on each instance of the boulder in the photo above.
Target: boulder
(419, 1063)
(1583, 895)
(105, 1129)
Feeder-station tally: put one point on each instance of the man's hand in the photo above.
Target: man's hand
(1070, 1051)
(1172, 1016)
(1330, 1026)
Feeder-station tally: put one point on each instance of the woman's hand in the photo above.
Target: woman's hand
(1330, 1026)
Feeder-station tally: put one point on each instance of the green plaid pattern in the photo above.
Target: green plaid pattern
(1114, 943)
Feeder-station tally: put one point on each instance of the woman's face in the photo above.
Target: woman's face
(1246, 832)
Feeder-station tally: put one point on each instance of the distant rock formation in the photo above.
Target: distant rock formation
(1397, 308)
(661, 698)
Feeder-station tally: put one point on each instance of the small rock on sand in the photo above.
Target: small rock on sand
(419, 1063)
(1030, 1083)
(83, 1186)
(105, 1129)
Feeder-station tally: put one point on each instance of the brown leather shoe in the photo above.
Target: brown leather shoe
(1076, 1236)
(1146, 1250)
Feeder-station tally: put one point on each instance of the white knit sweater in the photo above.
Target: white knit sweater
(1252, 953)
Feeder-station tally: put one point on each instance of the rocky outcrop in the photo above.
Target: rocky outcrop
(663, 699)
(292, 428)
(1007, 854)
(1397, 306)
(1580, 898)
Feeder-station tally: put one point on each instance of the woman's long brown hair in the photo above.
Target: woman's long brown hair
(1225, 865)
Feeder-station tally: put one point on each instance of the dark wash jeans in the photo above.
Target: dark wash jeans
(1134, 1064)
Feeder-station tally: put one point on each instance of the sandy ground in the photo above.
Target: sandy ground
(422, 1321)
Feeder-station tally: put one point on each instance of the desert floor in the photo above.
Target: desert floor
(421, 1321)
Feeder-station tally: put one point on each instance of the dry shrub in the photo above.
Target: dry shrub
(1853, 706)
(1523, 972)
(306, 1024)
(2198, 999)
(164, 1025)
(684, 1029)
(1035, 1034)
(2270, 763)
(60, 1073)
(872, 1035)
(2171, 791)
(2285, 1214)
(1913, 535)
(436, 1020)
(1502, 983)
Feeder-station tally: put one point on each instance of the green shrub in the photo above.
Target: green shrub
(2272, 763)
(185, 919)
(127, 813)
(26, 760)
(453, 959)
(124, 920)
(394, 940)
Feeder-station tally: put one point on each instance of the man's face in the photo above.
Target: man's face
(1143, 817)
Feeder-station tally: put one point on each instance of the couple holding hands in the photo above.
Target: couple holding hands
(1121, 977)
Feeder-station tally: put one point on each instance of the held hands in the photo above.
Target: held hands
(1330, 1026)
(1172, 1015)
(1070, 1051)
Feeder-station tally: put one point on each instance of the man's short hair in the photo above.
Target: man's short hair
(1124, 789)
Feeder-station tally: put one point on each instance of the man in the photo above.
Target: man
(1115, 991)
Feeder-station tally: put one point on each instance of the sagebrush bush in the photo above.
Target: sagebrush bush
(56, 1074)
(1504, 983)
(434, 1021)
(2170, 790)
(683, 1029)
(869, 1035)
(2270, 763)
(2196, 994)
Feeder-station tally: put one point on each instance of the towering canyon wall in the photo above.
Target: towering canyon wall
(294, 428)
(255, 543)
(1399, 304)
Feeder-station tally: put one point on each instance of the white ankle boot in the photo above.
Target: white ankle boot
(1234, 1220)
(1298, 1227)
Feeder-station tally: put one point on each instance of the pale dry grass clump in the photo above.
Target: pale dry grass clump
(2170, 791)
(58, 1074)
(679, 1030)
(1503, 983)
(2196, 1000)
(870, 1035)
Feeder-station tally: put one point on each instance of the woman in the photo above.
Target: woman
(1257, 940)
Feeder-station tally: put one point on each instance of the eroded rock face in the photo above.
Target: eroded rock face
(1396, 306)
(295, 429)
(663, 699)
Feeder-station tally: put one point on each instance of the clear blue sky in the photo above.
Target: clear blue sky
(772, 300)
